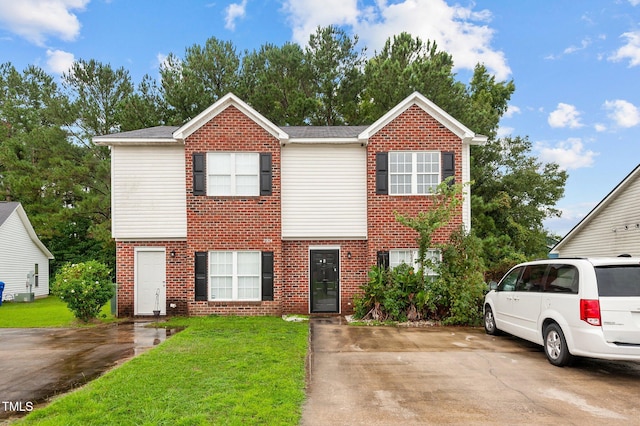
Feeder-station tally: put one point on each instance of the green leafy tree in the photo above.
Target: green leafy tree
(276, 81)
(405, 65)
(335, 66)
(513, 193)
(192, 84)
(84, 287)
(146, 107)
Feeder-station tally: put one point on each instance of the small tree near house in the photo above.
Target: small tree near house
(453, 296)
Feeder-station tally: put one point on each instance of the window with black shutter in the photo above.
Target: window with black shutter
(201, 275)
(448, 166)
(267, 275)
(265, 174)
(199, 174)
(382, 179)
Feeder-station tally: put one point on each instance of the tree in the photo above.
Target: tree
(275, 80)
(207, 73)
(405, 65)
(513, 193)
(335, 73)
(143, 108)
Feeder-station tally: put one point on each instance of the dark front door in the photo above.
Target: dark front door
(324, 282)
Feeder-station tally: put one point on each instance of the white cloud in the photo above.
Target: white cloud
(634, 2)
(599, 127)
(59, 61)
(623, 113)
(569, 154)
(504, 131)
(565, 115)
(234, 11)
(458, 30)
(630, 51)
(35, 20)
(511, 111)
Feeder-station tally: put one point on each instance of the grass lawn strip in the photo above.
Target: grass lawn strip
(46, 312)
(220, 370)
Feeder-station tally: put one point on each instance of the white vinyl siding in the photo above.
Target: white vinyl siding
(233, 174)
(613, 230)
(235, 275)
(466, 195)
(18, 256)
(148, 193)
(324, 191)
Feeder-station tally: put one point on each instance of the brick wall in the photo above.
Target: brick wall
(412, 130)
(233, 223)
(177, 277)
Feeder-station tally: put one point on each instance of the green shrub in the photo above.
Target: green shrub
(84, 287)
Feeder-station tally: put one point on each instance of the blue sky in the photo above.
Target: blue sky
(575, 64)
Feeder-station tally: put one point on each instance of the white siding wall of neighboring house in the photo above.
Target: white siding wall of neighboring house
(597, 237)
(324, 191)
(148, 197)
(18, 256)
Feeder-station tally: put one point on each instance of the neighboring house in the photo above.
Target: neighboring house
(22, 254)
(612, 228)
(231, 214)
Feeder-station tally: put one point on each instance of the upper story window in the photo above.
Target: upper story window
(414, 173)
(233, 174)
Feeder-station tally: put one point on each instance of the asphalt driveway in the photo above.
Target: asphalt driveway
(448, 375)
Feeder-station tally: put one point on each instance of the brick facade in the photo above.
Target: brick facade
(254, 223)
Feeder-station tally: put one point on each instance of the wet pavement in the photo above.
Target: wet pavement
(39, 363)
(361, 375)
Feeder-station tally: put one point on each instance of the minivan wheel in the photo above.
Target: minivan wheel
(555, 346)
(489, 321)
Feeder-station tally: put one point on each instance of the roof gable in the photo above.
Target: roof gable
(223, 103)
(599, 208)
(7, 209)
(430, 108)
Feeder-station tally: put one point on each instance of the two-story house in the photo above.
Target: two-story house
(232, 214)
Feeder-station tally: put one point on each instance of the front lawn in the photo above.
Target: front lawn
(219, 370)
(46, 312)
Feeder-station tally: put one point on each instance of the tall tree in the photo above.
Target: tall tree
(512, 194)
(143, 108)
(275, 81)
(405, 65)
(205, 74)
(335, 66)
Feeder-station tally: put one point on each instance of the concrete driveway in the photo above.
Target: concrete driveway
(447, 375)
(38, 363)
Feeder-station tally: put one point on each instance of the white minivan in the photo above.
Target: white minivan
(572, 307)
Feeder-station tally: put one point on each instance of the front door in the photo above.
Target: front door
(150, 292)
(324, 282)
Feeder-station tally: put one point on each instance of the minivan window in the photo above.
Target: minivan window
(532, 278)
(562, 278)
(618, 281)
(508, 283)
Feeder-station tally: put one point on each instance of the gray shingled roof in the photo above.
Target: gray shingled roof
(324, 132)
(6, 208)
(158, 132)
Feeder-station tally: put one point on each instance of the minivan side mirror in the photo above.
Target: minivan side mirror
(493, 285)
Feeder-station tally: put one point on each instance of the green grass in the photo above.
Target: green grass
(219, 370)
(47, 312)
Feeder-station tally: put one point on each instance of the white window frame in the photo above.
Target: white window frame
(233, 174)
(413, 173)
(410, 257)
(235, 276)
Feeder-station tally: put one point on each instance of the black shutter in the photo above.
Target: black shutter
(199, 186)
(382, 165)
(265, 174)
(383, 259)
(267, 275)
(201, 275)
(448, 166)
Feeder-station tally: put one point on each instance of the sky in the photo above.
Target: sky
(575, 63)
